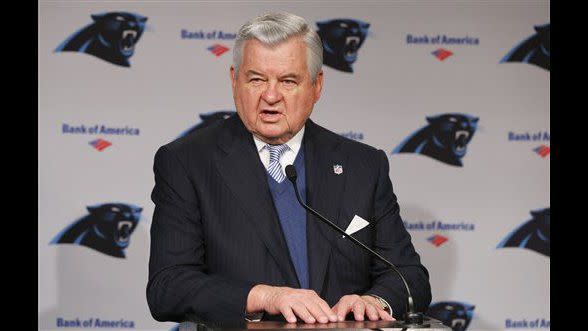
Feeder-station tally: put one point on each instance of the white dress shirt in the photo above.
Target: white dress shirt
(289, 155)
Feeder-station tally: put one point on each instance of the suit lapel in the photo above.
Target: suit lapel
(324, 191)
(240, 166)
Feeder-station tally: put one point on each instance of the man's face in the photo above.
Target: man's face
(273, 91)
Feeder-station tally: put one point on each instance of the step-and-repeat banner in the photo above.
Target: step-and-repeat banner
(456, 93)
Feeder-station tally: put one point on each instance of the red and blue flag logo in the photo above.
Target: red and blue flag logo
(542, 150)
(218, 49)
(437, 240)
(100, 144)
(441, 54)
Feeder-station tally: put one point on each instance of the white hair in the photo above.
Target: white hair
(274, 28)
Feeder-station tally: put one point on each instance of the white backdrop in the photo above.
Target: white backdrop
(393, 88)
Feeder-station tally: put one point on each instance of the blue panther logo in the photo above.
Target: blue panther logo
(107, 228)
(533, 234)
(111, 37)
(445, 138)
(534, 50)
(456, 315)
(341, 39)
(209, 119)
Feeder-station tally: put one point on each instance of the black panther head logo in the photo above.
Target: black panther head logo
(209, 119)
(534, 50)
(341, 39)
(533, 234)
(445, 138)
(107, 228)
(456, 315)
(112, 37)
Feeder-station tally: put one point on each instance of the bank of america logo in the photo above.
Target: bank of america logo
(217, 49)
(437, 240)
(100, 144)
(441, 54)
(542, 150)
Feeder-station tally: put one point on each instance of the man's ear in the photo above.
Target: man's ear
(318, 86)
(233, 78)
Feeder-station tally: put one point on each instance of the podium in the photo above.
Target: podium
(433, 324)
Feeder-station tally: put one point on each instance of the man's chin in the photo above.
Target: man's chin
(273, 135)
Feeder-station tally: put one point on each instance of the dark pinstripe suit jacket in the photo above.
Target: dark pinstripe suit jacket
(216, 233)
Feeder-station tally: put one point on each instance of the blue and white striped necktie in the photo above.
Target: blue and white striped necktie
(275, 169)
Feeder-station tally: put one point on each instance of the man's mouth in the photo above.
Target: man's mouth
(270, 115)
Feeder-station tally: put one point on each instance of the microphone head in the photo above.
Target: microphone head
(291, 173)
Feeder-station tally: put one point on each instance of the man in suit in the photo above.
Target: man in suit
(229, 240)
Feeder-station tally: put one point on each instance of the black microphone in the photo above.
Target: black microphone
(412, 318)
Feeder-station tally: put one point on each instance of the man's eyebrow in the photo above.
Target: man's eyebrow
(290, 75)
(253, 73)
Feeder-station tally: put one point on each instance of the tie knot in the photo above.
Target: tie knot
(276, 151)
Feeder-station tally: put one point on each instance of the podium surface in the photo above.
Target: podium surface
(433, 324)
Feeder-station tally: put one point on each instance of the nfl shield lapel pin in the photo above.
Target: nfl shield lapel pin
(337, 169)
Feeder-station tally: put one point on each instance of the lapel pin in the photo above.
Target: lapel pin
(337, 169)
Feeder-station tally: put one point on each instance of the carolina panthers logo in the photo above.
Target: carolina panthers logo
(533, 234)
(208, 119)
(107, 228)
(456, 315)
(534, 50)
(445, 138)
(341, 38)
(112, 37)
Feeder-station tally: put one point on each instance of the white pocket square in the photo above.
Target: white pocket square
(357, 223)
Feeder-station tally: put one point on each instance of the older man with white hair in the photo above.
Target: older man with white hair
(229, 240)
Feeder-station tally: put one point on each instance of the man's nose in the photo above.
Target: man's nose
(272, 95)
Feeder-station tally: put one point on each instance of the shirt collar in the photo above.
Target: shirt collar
(294, 143)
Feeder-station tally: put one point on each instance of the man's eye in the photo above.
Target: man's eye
(290, 82)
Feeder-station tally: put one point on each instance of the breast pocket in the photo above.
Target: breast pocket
(352, 263)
